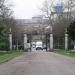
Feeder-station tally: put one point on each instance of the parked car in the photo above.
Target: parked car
(39, 45)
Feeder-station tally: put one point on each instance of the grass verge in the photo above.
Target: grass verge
(66, 53)
(6, 56)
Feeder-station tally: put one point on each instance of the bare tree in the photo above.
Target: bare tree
(54, 17)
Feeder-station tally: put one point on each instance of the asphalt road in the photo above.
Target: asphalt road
(39, 63)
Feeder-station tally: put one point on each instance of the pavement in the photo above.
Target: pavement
(39, 63)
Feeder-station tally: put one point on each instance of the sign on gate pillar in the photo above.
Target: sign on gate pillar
(25, 41)
(10, 39)
(51, 41)
(66, 41)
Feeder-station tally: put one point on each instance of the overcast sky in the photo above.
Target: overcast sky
(25, 9)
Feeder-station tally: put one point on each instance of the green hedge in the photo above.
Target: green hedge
(4, 45)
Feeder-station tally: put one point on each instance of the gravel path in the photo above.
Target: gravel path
(39, 63)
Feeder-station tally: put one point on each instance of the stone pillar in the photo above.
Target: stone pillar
(25, 41)
(51, 41)
(66, 41)
(10, 40)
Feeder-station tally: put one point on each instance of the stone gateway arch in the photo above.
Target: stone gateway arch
(32, 30)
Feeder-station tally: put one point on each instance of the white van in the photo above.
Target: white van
(39, 45)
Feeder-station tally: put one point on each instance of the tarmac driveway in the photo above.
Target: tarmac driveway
(39, 63)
